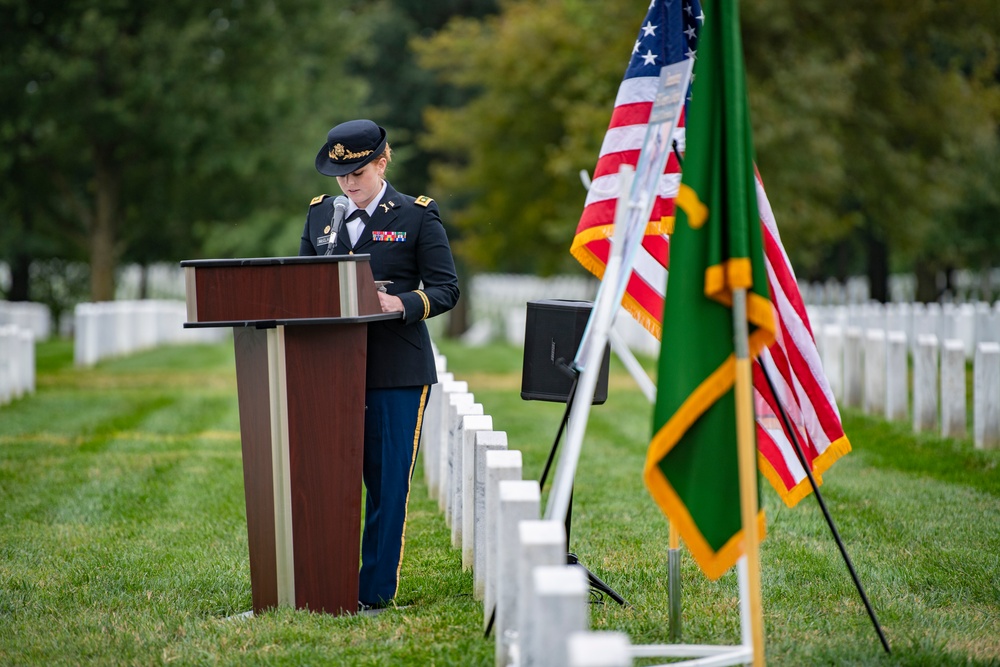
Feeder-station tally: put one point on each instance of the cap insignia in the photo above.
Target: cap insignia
(338, 152)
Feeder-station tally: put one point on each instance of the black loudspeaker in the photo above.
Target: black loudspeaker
(552, 333)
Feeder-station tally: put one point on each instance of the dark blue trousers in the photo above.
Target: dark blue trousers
(392, 431)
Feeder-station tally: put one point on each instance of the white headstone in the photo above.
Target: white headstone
(540, 543)
(7, 370)
(598, 649)
(875, 363)
(430, 432)
(964, 327)
(833, 358)
(449, 419)
(953, 405)
(440, 432)
(986, 396)
(486, 441)
(501, 466)
(853, 368)
(85, 335)
(557, 610)
(925, 383)
(471, 427)
(453, 511)
(897, 394)
(519, 501)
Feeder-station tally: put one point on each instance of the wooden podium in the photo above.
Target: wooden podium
(299, 326)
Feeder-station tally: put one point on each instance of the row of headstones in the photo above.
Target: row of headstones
(498, 301)
(109, 329)
(17, 362)
(962, 285)
(35, 317)
(538, 604)
(970, 323)
(868, 369)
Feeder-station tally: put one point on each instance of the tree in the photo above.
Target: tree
(400, 90)
(867, 115)
(866, 120)
(544, 76)
(139, 124)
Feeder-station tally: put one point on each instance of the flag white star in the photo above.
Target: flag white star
(652, 3)
(649, 58)
(701, 17)
(635, 49)
(690, 32)
(648, 29)
(692, 54)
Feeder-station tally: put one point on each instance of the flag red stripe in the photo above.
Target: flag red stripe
(659, 248)
(597, 214)
(785, 278)
(828, 419)
(612, 162)
(636, 113)
(646, 296)
(784, 369)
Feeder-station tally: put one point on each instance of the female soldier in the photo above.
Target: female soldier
(408, 247)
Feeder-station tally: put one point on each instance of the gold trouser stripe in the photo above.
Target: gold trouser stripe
(409, 484)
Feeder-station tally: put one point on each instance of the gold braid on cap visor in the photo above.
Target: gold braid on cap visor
(338, 152)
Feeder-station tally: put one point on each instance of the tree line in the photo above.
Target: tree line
(146, 132)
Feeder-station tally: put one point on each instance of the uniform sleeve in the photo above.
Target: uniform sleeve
(439, 292)
(306, 246)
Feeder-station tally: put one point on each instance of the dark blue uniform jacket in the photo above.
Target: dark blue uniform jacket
(408, 245)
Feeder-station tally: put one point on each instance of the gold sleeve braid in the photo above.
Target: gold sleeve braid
(427, 304)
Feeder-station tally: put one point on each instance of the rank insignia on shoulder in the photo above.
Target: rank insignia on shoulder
(422, 200)
(317, 200)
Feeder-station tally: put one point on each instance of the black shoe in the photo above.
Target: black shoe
(372, 609)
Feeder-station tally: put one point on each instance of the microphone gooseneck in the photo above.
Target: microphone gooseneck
(339, 209)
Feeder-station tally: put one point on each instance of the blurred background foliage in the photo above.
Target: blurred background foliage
(136, 132)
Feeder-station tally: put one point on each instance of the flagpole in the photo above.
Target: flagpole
(747, 454)
(674, 584)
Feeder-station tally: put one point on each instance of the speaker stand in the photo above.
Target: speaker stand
(598, 589)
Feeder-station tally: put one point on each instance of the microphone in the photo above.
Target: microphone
(339, 209)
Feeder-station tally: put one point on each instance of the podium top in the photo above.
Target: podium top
(273, 291)
(271, 261)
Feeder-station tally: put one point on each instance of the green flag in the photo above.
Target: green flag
(691, 465)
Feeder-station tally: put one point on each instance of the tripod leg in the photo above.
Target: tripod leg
(596, 583)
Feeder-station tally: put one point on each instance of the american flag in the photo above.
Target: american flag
(668, 35)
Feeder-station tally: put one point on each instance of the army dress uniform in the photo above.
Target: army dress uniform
(408, 246)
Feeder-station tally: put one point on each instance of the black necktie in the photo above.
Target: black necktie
(359, 213)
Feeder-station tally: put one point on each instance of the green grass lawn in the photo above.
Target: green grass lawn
(123, 537)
